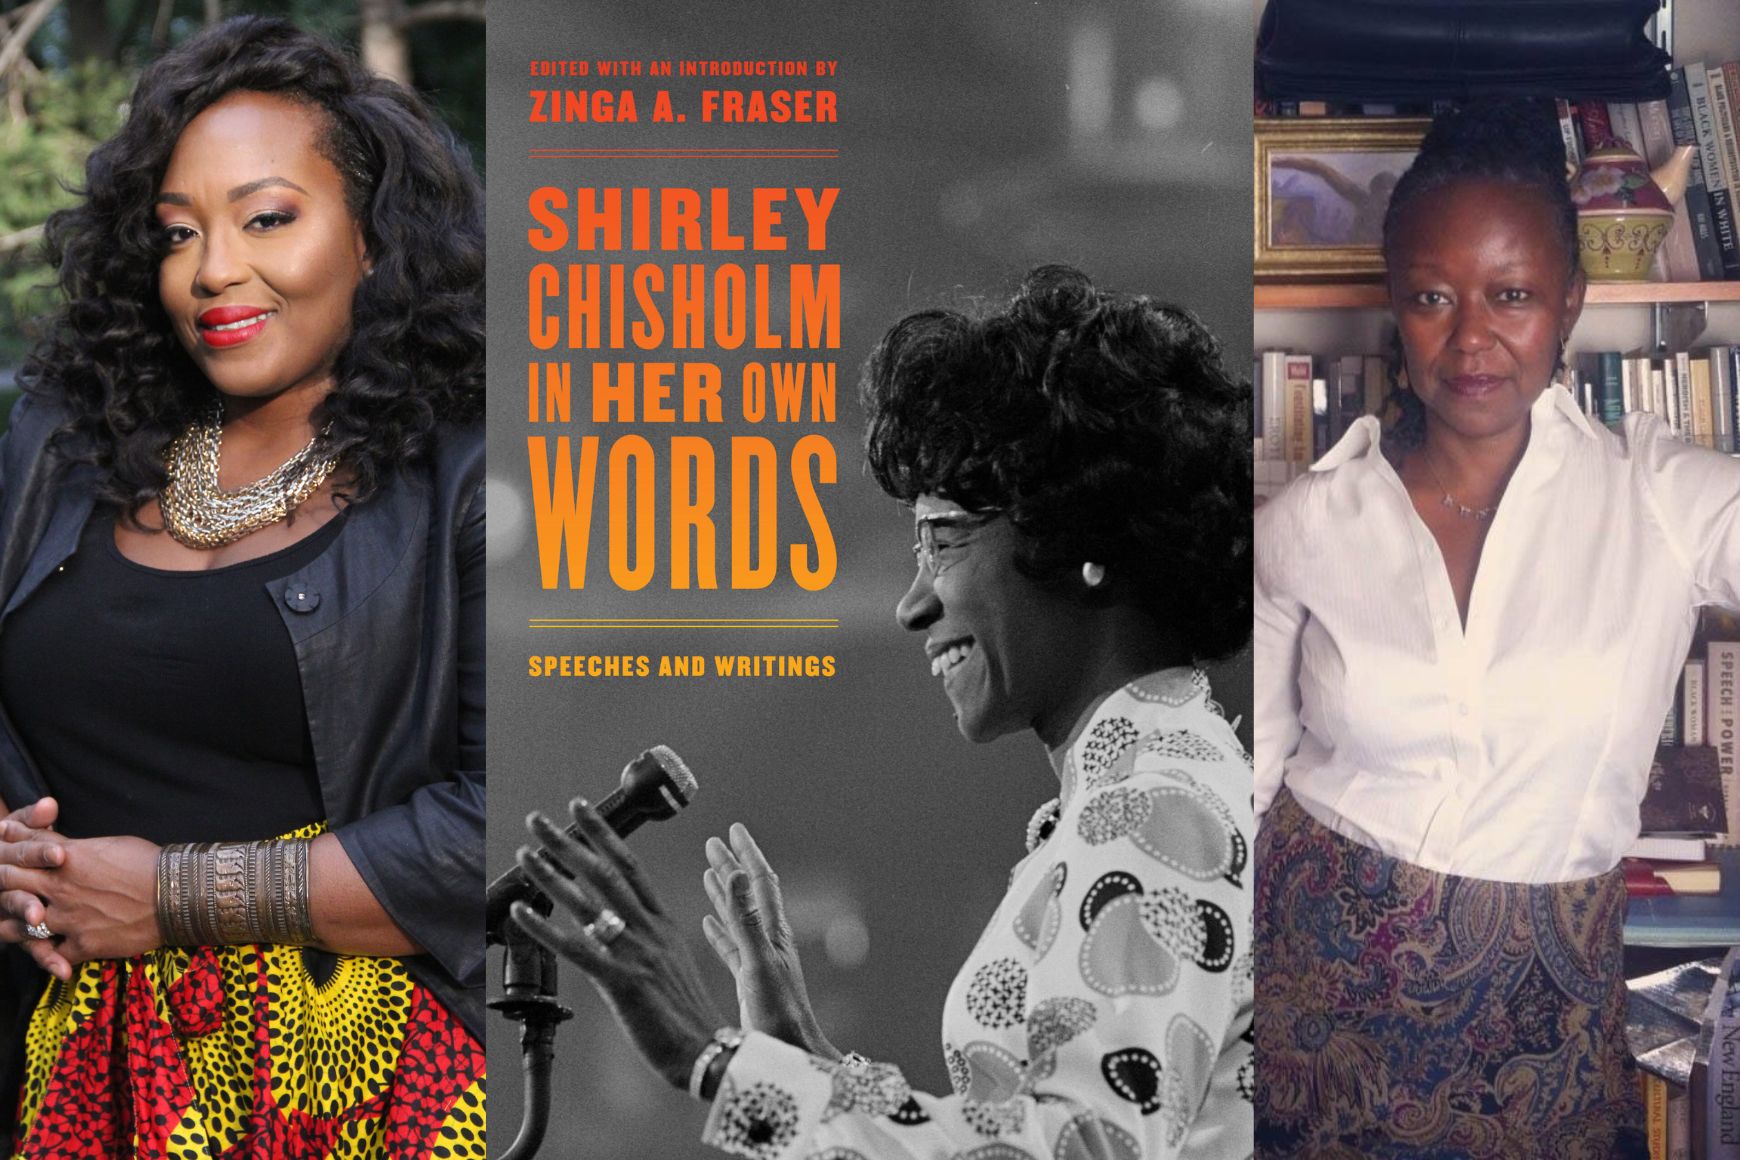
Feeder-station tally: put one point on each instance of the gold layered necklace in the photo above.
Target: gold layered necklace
(201, 514)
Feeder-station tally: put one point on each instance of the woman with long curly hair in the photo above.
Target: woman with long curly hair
(241, 646)
(1078, 467)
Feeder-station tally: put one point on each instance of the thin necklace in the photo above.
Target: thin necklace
(1450, 501)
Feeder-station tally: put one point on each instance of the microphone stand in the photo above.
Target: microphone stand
(529, 999)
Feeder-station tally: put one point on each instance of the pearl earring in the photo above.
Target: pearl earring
(1093, 575)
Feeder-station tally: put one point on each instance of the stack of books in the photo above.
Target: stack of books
(1683, 1025)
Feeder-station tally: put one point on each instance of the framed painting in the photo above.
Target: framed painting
(1321, 187)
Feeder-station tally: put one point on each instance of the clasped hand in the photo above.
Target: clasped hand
(95, 894)
(645, 971)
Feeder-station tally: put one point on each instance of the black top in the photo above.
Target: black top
(164, 704)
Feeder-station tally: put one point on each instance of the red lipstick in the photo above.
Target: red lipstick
(223, 326)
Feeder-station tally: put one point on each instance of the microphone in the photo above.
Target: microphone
(654, 786)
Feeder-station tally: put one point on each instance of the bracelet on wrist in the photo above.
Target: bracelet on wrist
(233, 893)
(710, 1065)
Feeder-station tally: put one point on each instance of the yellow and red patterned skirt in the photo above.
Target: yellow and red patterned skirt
(252, 1052)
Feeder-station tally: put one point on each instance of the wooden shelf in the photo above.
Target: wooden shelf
(1373, 295)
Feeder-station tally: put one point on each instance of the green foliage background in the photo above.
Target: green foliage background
(72, 95)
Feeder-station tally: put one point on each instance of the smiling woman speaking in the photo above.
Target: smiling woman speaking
(1468, 630)
(241, 647)
(1079, 469)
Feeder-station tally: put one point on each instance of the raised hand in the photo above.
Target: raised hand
(749, 932)
(607, 922)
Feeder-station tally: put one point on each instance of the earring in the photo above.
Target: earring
(1093, 575)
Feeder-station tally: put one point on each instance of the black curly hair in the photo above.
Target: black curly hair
(1514, 140)
(1103, 425)
(414, 358)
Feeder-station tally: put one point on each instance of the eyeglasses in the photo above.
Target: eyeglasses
(942, 537)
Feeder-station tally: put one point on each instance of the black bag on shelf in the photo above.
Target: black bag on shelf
(1423, 50)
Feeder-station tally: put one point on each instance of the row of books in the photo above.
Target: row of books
(1693, 391)
(1304, 404)
(1683, 1027)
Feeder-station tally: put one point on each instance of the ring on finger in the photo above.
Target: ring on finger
(607, 927)
(39, 931)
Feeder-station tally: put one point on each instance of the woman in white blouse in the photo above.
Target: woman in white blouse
(1467, 634)
(1077, 465)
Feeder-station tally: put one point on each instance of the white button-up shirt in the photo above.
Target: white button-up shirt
(1517, 747)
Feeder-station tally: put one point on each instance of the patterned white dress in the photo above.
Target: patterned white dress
(1105, 1013)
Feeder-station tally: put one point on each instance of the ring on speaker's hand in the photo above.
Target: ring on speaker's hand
(39, 931)
(607, 927)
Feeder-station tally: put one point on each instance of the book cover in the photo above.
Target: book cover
(1684, 794)
(728, 586)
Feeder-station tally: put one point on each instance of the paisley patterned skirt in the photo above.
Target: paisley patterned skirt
(254, 1052)
(1406, 1013)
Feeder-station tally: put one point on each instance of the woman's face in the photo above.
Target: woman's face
(261, 256)
(1004, 647)
(1484, 297)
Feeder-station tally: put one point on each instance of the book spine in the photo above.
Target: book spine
(1274, 404)
(1723, 678)
(1733, 376)
(1664, 400)
(1322, 417)
(1298, 403)
(1655, 1115)
(1724, 1122)
(1703, 402)
(1703, 120)
(1377, 384)
(1350, 394)
(1627, 125)
(1679, 1123)
(1683, 387)
(1568, 132)
(1692, 704)
(1722, 125)
(1699, 215)
(1597, 126)
(1611, 385)
(1722, 390)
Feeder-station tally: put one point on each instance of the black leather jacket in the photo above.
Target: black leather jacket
(388, 625)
